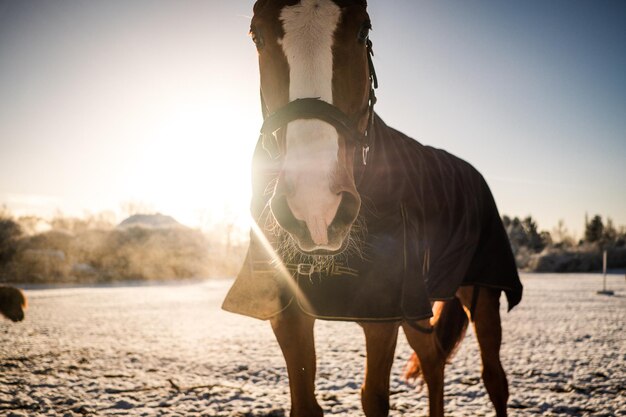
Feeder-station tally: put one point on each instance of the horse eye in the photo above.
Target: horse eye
(364, 32)
(256, 38)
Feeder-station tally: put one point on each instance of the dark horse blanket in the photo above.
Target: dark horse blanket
(428, 224)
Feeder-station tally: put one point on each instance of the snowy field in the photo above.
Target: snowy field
(169, 350)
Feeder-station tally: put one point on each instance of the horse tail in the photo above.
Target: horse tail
(450, 326)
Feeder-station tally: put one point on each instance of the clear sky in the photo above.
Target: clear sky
(156, 102)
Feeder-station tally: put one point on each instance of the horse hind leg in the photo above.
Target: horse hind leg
(488, 328)
(431, 360)
(433, 349)
(380, 342)
(294, 333)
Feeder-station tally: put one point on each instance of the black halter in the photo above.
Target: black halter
(314, 108)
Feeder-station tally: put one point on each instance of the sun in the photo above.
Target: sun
(194, 164)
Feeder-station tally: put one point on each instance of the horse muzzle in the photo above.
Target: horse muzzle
(336, 232)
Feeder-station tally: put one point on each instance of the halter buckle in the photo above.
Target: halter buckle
(306, 269)
(364, 151)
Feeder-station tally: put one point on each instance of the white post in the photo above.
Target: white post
(604, 290)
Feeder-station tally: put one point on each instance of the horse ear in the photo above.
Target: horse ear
(346, 3)
(258, 5)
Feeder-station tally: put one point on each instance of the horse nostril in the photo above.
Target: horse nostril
(284, 216)
(348, 210)
(337, 226)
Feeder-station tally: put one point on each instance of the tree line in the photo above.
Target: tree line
(559, 251)
(94, 249)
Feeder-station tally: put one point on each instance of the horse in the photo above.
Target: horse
(355, 221)
(12, 303)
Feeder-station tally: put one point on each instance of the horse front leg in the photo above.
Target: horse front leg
(380, 342)
(294, 332)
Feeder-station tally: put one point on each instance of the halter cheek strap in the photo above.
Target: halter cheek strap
(314, 108)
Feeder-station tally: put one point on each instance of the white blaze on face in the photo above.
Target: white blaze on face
(312, 145)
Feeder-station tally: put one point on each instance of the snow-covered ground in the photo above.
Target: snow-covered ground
(169, 350)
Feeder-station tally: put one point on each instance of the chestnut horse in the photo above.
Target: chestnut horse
(12, 303)
(357, 222)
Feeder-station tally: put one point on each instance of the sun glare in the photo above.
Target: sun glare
(194, 164)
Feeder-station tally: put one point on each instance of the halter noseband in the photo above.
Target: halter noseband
(314, 108)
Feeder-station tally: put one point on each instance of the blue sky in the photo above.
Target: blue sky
(157, 102)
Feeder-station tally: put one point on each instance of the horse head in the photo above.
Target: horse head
(316, 90)
(12, 303)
